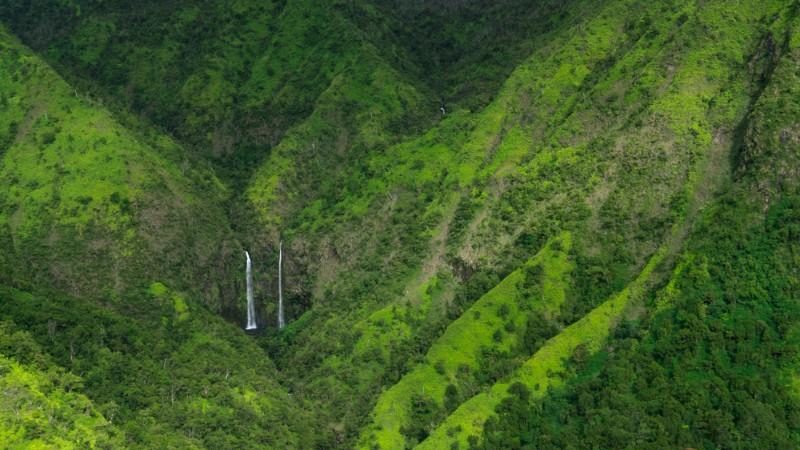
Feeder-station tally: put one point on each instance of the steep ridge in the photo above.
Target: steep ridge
(490, 328)
(86, 196)
(114, 236)
(684, 129)
(438, 267)
(545, 369)
(710, 364)
(232, 77)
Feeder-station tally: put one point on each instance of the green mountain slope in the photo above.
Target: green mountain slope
(712, 363)
(40, 406)
(84, 196)
(95, 220)
(490, 213)
(710, 152)
(485, 334)
(547, 368)
(170, 374)
(234, 77)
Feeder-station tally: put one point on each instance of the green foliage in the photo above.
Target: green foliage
(709, 367)
(709, 371)
(473, 351)
(167, 376)
(42, 406)
(86, 196)
(490, 277)
(545, 368)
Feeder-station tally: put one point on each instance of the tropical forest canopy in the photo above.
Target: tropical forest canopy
(501, 224)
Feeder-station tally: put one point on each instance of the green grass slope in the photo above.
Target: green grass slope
(712, 362)
(91, 208)
(494, 323)
(547, 369)
(692, 135)
(122, 246)
(543, 370)
(592, 134)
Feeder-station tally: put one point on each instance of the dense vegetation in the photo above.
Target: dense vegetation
(506, 224)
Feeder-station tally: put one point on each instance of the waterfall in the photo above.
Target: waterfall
(281, 322)
(251, 307)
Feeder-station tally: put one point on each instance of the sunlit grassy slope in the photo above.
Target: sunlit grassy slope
(116, 235)
(90, 207)
(698, 97)
(491, 323)
(435, 265)
(691, 366)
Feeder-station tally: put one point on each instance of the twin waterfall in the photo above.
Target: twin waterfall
(251, 307)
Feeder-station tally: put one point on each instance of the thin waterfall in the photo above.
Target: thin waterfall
(281, 322)
(251, 307)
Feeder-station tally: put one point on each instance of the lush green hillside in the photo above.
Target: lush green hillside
(507, 224)
(166, 372)
(91, 208)
(232, 77)
(41, 406)
(712, 363)
(96, 219)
